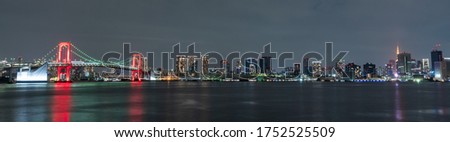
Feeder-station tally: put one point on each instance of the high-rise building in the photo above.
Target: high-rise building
(307, 68)
(180, 65)
(436, 56)
(238, 67)
(225, 65)
(398, 49)
(370, 70)
(414, 67)
(440, 73)
(205, 63)
(404, 63)
(425, 65)
(265, 64)
(339, 68)
(251, 66)
(381, 71)
(389, 70)
(192, 64)
(447, 65)
(352, 71)
(393, 65)
(296, 69)
(317, 70)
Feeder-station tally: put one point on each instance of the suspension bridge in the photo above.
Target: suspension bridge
(65, 56)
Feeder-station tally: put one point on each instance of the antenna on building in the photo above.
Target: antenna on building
(437, 46)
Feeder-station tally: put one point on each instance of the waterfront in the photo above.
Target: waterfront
(225, 101)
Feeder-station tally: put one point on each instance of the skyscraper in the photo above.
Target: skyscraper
(436, 56)
(317, 70)
(296, 69)
(353, 71)
(307, 68)
(388, 70)
(265, 64)
(403, 63)
(251, 65)
(447, 67)
(369, 70)
(425, 65)
(180, 65)
(205, 63)
(393, 66)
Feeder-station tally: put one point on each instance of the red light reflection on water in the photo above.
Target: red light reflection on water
(136, 109)
(61, 102)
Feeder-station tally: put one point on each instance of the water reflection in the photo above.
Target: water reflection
(136, 102)
(29, 106)
(221, 101)
(62, 102)
(398, 104)
(21, 109)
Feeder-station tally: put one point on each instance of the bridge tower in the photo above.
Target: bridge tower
(137, 66)
(64, 61)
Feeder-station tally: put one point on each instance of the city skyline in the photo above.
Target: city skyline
(358, 27)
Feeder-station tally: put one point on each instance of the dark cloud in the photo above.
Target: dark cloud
(368, 29)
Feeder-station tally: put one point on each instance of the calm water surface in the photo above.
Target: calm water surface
(225, 101)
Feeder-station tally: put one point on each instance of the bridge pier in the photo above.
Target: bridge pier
(66, 63)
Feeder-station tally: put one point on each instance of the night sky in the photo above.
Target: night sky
(370, 30)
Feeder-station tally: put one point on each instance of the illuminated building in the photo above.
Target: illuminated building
(192, 64)
(440, 72)
(389, 70)
(398, 50)
(447, 64)
(340, 69)
(370, 70)
(205, 63)
(353, 71)
(26, 74)
(317, 69)
(414, 67)
(425, 65)
(296, 69)
(436, 56)
(404, 63)
(265, 64)
(180, 65)
(289, 70)
(393, 65)
(307, 68)
(251, 66)
(350, 70)
(225, 65)
(238, 67)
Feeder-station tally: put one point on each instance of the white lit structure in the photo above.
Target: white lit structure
(26, 75)
(439, 71)
(426, 65)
